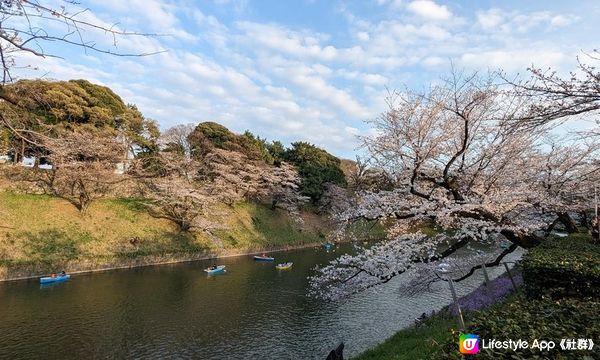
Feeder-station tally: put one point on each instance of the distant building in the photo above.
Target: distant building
(123, 166)
(28, 161)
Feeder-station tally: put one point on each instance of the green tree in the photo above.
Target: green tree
(217, 134)
(316, 168)
(256, 147)
(277, 151)
(41, 108)
(208, 135)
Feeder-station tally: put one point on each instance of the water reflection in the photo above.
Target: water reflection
(177, 311)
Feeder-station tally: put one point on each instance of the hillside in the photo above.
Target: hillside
(118, 192)
(39, 233)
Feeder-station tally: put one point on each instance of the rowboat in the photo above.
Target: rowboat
(284, 266)
(219, 269)
(263, 258)
(328, 246)
(52, 279)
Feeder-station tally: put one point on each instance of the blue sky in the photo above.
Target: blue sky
(311, 70)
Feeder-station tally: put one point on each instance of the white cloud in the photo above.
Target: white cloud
(435, 61)
(369, 79)
(514, 59)
(497, 20)
(297, 83)
(155, 14)
(31, 66)
(430, 10)
(563, 20)
(363, 36)
(393, 4)
(352, 130)
(313, 84)
(238, 6)
(490, 19)
(287, 41)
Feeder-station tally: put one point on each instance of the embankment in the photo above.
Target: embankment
(41, 234)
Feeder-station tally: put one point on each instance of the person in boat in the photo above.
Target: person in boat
(214, 267)
(53, 275)
(63, 273)
(264, 255)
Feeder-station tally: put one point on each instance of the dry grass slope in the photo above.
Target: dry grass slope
(45, 232)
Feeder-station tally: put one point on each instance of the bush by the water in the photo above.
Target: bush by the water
(527, 319)
(560, 301)
(563, 267)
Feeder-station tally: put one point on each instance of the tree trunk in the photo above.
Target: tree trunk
(184, 225)
(551, 227)
(84, 198)
(568, 222)
(337, 354)
(585, 222)
(22, 149)
(522, 240)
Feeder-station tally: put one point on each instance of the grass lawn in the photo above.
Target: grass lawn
(254, 226)
(416, 342)
(45, 231)
(40, 228)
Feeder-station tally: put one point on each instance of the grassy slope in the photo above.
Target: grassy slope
(414, 342)
(252, 226)
(425, 341)
(38, 229)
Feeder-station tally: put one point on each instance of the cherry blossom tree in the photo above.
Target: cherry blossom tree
(176, 199)
(554, 97)
(170, 185)
(175, 139)
(233, 177)
(83, 167)
(362, 176)
(461, 167)
(185, 188)
(568, 168)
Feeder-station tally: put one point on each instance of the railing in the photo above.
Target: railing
(488, 283)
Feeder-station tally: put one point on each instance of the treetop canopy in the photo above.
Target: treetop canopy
(80, 105)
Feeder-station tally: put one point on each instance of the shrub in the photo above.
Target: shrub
(210, 134)
(277, 151)
(255, 147)
(529, 320)
(217, 134)
(564, 267)
(316, 168)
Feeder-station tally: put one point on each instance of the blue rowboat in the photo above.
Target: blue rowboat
(328, 246)
(263, 258)
(52, 279)
(219, 269)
